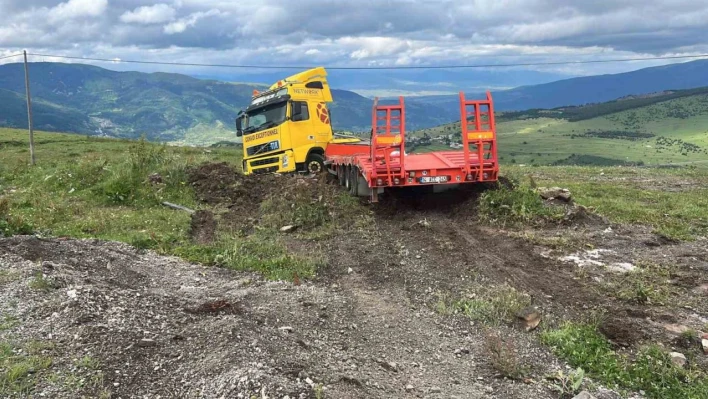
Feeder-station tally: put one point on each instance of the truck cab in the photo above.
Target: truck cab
(287, 128)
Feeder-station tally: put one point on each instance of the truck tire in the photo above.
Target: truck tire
(314, 164)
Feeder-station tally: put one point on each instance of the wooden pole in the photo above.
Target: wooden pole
(29, 111)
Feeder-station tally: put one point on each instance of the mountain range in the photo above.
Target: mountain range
(178, 108)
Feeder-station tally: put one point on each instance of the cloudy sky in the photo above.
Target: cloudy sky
(361, 33)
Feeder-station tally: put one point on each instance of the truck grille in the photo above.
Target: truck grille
(264, 161)
(263, 148)
(272, 169)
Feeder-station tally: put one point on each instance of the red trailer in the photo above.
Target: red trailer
(366, 168)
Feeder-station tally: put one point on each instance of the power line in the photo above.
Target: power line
(10, 56)
(375, 68)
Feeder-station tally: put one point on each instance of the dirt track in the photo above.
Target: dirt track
(366, 327)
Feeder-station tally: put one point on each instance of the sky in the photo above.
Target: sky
(362, 33)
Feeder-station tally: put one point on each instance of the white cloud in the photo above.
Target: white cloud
(182, 24)
(73, 9)
(157, 14)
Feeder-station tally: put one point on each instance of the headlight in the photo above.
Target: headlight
(286, 161)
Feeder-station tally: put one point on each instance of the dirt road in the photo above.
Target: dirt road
(121, 322)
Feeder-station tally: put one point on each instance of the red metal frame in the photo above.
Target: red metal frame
(482, 136)
(388, 142)
(384, 163)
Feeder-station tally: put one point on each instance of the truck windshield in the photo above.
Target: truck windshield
(265, 117)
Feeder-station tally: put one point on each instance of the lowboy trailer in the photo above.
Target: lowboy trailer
(368, 167)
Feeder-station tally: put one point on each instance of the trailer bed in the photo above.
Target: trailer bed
(368, 166)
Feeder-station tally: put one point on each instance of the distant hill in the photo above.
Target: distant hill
(177, 108)
(594, 89)
(164, 107)
(669, 127)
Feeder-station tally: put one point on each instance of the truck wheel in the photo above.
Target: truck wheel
(315, 164)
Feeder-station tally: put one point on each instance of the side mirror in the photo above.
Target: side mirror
(239, 126)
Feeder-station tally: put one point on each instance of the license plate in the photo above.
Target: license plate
(433, 179)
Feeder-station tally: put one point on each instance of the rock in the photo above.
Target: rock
(678, 359)
(529, 317)
(584, 395)
(155, 178)
(621, 267)
(287, 229)
(554, 193)
(409, 388)
(71, 294)
(435, 390)
(704, 344)
(286, 329)
(701, 290)
(390, 366)
(146, 343)
(676, 329)
(350, 270)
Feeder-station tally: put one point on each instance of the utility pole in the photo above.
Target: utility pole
(29, 110)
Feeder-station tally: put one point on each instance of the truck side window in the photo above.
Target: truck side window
(300, 112)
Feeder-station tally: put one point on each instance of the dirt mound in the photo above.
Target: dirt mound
(222, 184)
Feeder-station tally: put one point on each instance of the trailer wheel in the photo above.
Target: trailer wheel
(315, 164)
(341, 175)
(347, 177)
(354, 181)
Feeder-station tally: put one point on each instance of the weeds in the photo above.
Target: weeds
(19, 368)
(7, 276)
(41, 282)
(8, 323)
(568, 385)
(651, 370)
(649, 283)
(259, 252)
(9, 224)
(493, 305)
(504, 357)
(515, 206)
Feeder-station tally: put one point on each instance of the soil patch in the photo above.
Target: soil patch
(202, 228)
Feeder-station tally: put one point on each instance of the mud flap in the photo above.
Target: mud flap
(363, 189)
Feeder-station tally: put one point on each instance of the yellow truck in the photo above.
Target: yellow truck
(287, 128)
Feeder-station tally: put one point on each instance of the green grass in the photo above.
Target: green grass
(41, 283)
(672, 200)
(531, 138)
(20, 366)
(89, 187)
(261, 252)
(515, 206)
(489, 304)
(650, 370)
(647, 284)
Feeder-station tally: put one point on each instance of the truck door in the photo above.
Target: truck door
(302, 131)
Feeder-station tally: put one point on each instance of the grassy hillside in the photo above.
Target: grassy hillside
(670, 128)
(162, 107)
